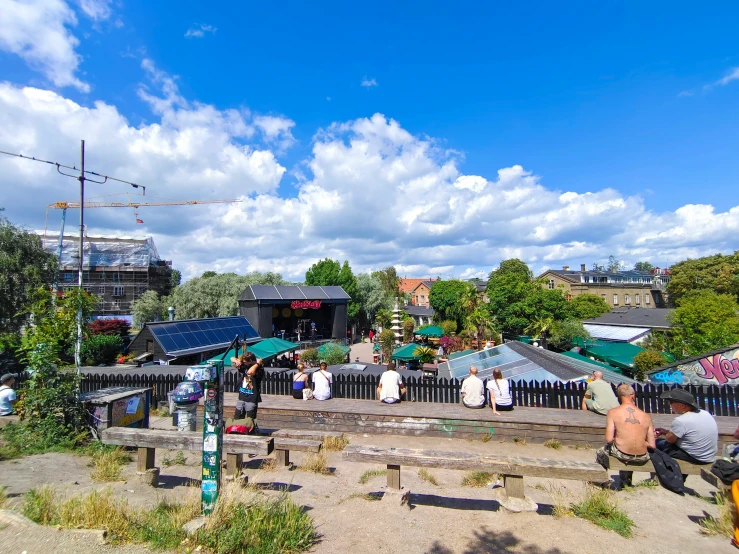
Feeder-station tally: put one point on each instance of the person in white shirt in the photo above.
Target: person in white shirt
(500, 394)
(322, 381)
(391, 387)
(473, 391)
(7, 394)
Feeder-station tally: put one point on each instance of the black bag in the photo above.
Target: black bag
(728, 472)
(668, 471)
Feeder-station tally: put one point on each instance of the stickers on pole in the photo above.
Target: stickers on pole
(212, 433)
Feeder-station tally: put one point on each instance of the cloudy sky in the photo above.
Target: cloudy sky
(437, 137)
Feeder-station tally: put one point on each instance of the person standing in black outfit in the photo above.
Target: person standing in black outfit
(252, 372)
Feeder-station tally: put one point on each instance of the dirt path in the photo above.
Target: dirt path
(442, 519)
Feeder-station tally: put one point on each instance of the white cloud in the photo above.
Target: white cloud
(276, 130)
(36, 30)
(97, 10)
(732, 75)
(369, 83)
(198, 31)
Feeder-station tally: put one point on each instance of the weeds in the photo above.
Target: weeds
(648, 483)
(316, 463)
(427, 476)
(3, 498)
(369, 496)
(268, 464)
(553, 443)
(335, 444)
(487, 436)
(107, 464)
(600, 508)
(370, 474)
(560, 506)
(478, 479)
(178, 460)
(48, 435)
(723, 525)
(519, 440)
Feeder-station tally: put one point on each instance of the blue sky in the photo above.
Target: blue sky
(625, 103)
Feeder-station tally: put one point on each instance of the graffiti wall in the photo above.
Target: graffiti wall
(719, 369)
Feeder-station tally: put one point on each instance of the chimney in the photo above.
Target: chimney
(565, 267)
(582, 267)
(170, 310)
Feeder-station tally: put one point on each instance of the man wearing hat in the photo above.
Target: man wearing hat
(693, 435)
(322, 380)
(7, 394)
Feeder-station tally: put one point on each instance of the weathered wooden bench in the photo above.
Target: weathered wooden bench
(148, 440)
(305, 440)
(512, 468)
(685, 467)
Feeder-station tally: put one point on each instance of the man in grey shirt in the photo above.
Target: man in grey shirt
(693, 435)
(599, 397)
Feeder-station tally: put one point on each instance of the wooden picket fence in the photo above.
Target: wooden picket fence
(720, 401)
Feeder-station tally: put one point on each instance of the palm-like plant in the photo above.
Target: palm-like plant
(539, 326)
(480, 324)
(425, 353)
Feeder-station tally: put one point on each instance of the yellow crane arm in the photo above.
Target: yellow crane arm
(76, 205)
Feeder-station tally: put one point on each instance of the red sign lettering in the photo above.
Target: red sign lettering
(305, 304)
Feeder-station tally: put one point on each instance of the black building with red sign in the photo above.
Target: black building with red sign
(293, 312)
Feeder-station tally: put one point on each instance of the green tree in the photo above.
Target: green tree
(147, 307)
(508, 287)
(333, 354)
(563, 334)
(481, 324)
(717, 273)
(589, 306)
(371, 297)
(703, 321)
(208, 274)
(451, 300)
(389, 279)
(408, 325)
(647, 360)
(539, 326)
(384, 318)
(348, 282)
(448, 327)
(387, 343)
(24, 267)
(175, 278)
(323, 273)
(613, 263)
(101, 349)
(643, 266)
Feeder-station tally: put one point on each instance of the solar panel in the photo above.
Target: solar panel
(265, 292)
(290, 293)
(202, 334)
(314, 293)
(336, 293)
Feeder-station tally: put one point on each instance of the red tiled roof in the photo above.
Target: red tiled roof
(409, 285)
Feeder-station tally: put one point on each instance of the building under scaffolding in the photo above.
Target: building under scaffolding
(118, 270)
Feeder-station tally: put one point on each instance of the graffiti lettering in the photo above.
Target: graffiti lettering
(720, 369)
(668, 377)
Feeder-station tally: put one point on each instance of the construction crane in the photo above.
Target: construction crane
(64, 206)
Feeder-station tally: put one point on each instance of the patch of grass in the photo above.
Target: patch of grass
(3, 498)
(600, 508)
(648, 483)
(478, 479)
(723, 525)
(316, 463)
(335, 444)
(487, 436)
(519, 440)
(177, 460)
(371, 474)
(427, 476)
(560, 505)
(369, 496)
(107, 464)
(553, 443)
(268, 464)
(22, 439)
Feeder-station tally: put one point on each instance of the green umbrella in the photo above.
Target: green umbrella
(266, 349)
(430, 331)
(407, 353)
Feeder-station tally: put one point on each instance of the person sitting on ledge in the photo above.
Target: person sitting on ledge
(391, 388)
(599, 397)
(629, 433)
(693, 435)
(322, 381)
(473, 390)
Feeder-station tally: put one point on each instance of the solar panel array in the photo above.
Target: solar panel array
(198, 334)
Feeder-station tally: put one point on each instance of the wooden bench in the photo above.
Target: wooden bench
(305, 440)
(148, 440)
(685, 467)
(512, 468)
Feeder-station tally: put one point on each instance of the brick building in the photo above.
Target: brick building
(118, 270)
(418, 289)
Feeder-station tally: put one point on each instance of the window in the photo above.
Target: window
(117, 291)
(627, 299)
(603, 296)
(637, 299)
(615, 299)
(150, 346)
(551, 284)
(423, 298)
(101, 289)
(646, 299)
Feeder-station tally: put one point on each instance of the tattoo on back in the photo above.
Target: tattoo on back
(631, 418)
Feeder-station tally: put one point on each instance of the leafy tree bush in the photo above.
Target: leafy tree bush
(703, 321)
(147, 307)
(310, 357)
(425, 353)
(449, 327)
(101, 349)
(452, 300)
(717, 273)
(448, 344)
(115, 326)
(563, 334)
(384, 318)
(371, 297)
(333, 354)
(408, 325)
(589, 306)
(647, 360)
(330, 272)
(643, 266)
(387, 343)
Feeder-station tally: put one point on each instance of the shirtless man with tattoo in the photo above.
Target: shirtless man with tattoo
(629, 432)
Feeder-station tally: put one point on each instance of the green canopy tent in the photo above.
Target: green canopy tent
(617, 354)
(266, 349)
(407, 353)
(430, 331)
(596, 365)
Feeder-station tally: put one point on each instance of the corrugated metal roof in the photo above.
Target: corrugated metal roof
(615, 332)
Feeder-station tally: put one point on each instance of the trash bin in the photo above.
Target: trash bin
(185, 397)
(117, 407)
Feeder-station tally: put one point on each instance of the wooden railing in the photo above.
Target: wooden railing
(720, 401)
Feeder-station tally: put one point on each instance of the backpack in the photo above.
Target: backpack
(668, 471)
